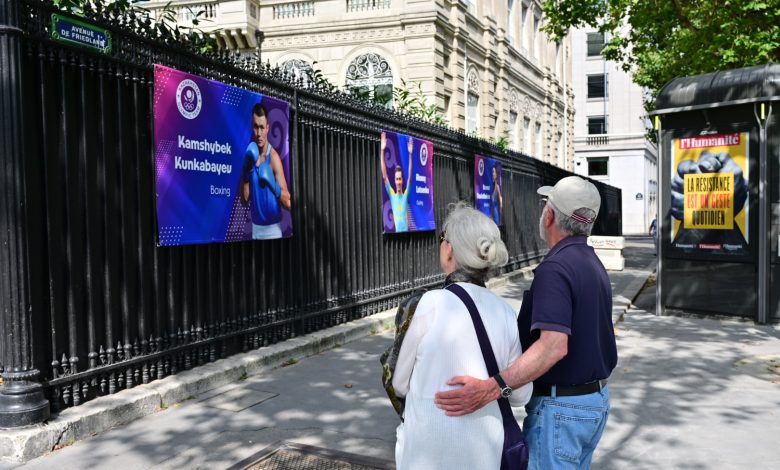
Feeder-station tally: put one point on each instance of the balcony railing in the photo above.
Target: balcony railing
(597, 140)
(632, 140)
(293, 10)
(186, 13)
(206, 11)
(366, 5)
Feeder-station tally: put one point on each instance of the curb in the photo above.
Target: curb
(104, 413)
(622, 301)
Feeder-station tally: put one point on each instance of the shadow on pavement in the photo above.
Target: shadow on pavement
(688, 392)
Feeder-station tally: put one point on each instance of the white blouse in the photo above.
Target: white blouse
(441, 343)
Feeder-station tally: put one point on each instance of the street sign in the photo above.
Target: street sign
(72, 31)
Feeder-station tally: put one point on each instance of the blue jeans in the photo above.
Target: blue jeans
(562, 432)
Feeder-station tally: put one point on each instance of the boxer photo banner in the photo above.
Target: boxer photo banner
(222, 161)
(407, 182)
(488, 195)
(709, 193)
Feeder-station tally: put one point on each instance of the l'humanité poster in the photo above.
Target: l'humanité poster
(709, 193)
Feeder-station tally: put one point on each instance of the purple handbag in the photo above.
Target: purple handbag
(515, 453)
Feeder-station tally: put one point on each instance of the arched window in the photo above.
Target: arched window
(561, 151)
(472, 101)
(299, 69)
(369, 75)
(526, 136)
(538, 141)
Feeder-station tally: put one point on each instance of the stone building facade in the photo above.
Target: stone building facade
(486, 64)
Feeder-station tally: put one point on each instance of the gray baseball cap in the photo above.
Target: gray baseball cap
(572, 193)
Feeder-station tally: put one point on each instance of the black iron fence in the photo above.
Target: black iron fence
(91, 305)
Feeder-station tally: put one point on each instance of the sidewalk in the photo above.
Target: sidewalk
(687, 393)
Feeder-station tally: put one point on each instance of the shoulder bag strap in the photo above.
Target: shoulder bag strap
(487, 350)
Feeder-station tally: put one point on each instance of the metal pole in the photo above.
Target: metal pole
(661, 219)
(21, 396)
(763, 213)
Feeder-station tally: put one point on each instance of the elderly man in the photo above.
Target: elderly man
(566, 332)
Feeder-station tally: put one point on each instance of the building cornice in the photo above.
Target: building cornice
(360, 30)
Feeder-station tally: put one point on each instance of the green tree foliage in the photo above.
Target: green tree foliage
(658, 40)
(503, 141)
(317, 79)
(412, 101)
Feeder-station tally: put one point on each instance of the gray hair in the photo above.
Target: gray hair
(570, 226)
(475, 239)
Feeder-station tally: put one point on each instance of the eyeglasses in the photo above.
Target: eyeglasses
(442, 237)
(542, 202)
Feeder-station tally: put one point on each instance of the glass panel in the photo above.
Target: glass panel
(384, 94)
(595, 44)
(526, 136)
(561, 153)
(536, 40)
(369, 75)
(538, 140)
(512, 128)
(510, 16)
(298, 69)
(596, 86)
(472, 110)
(598, 166)
(597, 125)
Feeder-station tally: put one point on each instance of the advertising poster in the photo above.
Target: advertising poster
(407, 182)
(222, 161)
(488, 187)
(709, 197)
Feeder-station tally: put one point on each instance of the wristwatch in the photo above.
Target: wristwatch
(506, 391)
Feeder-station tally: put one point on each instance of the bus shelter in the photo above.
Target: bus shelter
(719, 194)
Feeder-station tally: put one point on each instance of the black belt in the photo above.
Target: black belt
(543, 390)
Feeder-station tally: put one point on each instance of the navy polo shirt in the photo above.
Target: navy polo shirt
(571, 293)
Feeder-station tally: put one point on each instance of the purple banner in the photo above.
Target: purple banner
(222, 161)
(407, 179)
(488, 188)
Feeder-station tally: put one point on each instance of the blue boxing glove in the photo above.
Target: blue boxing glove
(267, 178)
(251, 155)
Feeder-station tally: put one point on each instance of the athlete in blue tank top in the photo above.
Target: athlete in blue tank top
(264, 205)
(264, 186)
(400, 195)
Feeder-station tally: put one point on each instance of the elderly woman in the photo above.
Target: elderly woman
(441, 343)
